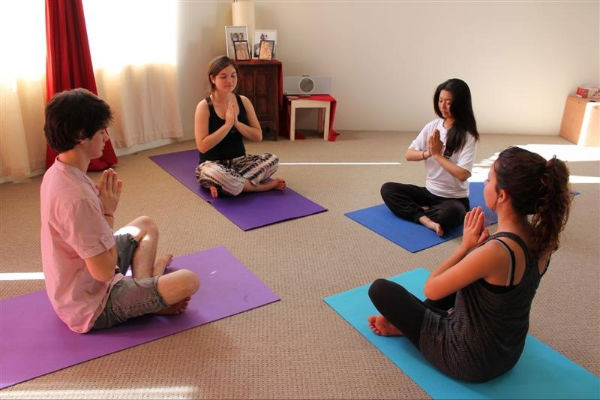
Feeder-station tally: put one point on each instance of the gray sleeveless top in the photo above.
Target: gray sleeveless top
(485, 335)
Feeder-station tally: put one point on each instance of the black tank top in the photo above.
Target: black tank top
(232, 145)
(485, 335)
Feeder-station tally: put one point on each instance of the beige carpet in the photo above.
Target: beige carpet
(299, 348)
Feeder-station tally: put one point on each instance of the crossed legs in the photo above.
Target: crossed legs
(401, 312)
(177, 287)
(417, 204)
(243, 174)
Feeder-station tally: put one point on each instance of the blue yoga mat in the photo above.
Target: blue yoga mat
(541, 373)
(412, 236)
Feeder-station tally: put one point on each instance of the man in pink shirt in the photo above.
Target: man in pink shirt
(84, 262)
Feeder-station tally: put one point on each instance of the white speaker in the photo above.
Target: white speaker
(306, 85)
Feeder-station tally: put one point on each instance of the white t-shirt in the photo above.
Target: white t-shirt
(73, 228)
(439, 181)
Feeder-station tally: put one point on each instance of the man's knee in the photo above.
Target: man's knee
(178, 285)
(139, 228)
(147, 227)
(187, 282)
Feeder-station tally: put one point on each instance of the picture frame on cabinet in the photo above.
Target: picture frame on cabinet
(266, 50)
(234, 34)
(263, 34)
(241, 50)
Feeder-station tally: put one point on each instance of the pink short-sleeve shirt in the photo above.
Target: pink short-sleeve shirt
(73, 228)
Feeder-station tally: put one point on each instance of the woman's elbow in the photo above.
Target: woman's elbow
(202, 147)
(426, 292)
(463, 176)
(430, 292)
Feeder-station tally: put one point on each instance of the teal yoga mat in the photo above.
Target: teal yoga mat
(541, 373)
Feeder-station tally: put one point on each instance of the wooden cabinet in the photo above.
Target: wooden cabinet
(260, 81)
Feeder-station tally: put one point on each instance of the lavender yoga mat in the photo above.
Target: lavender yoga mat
(248, 210)
(35, 342)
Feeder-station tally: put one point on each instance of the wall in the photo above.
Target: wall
(201, 37)
(520, 58)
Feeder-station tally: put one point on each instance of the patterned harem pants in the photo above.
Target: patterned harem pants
(229, 176)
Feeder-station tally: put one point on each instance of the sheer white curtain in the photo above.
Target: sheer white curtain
(132, 44)
(22, 89)
(133, 47)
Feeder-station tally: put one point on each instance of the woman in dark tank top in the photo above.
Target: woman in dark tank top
(475, 320)
(221, 122)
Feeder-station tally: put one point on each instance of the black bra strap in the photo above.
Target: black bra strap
(517, 239)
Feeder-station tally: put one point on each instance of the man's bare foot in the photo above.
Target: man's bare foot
(214, 192)
(161, 264)
(434, 226)
(382, 327)
(176, 308)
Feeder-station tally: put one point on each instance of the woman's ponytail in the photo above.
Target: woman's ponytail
(538, 188)
(551, 207)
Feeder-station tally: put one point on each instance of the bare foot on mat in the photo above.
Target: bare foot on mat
(162, 263)
(382, 327)
(176, 308)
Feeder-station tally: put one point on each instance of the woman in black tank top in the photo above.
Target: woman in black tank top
(474, 322)
(222, 120)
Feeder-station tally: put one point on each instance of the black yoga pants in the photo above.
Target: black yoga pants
(405, 201)
(403, 310)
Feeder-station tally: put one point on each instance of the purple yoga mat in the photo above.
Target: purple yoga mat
(35, 342)
(248, 210)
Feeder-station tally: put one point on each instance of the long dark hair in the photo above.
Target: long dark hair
(216, 65)
(539, 188)
(462, 112)
(72, 116)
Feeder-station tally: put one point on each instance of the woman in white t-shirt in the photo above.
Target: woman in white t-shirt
(447, 145)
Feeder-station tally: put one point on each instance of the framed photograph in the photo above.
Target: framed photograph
(234, 34)
(240, 48)
(266, 49)
(263, 34)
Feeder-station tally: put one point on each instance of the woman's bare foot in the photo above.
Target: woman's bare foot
(176, 308)
(280, 184)
(382, 327)
(214, 192)
(434, 226)
(276, 183)
(161, 264)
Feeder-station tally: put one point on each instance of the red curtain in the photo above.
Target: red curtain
(68, 63)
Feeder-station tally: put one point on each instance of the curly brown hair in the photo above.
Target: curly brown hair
(538, 188)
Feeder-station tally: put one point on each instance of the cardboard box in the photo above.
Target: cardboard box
(581, 121)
